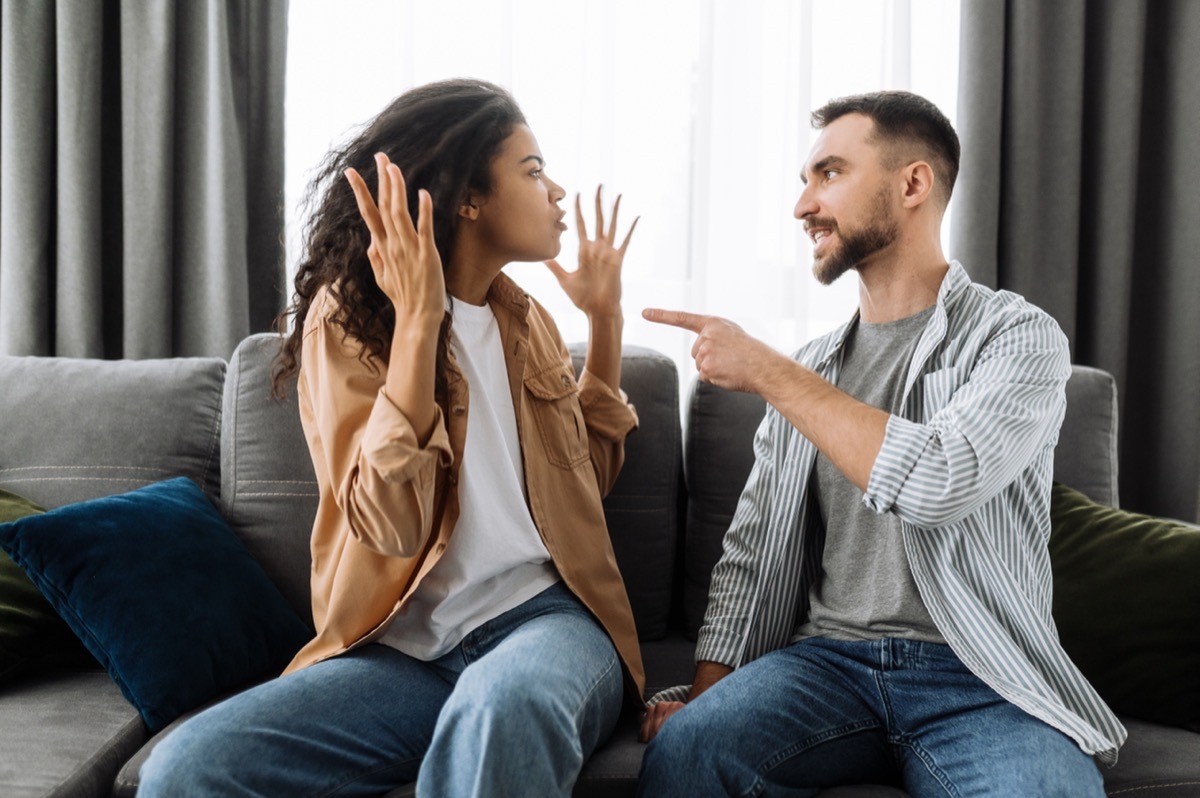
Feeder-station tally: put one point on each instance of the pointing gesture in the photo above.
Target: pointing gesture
(725, 355)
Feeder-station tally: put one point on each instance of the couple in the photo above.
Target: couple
(882, 607)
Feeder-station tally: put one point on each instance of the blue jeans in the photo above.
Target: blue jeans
(512, 710)
(823, 712)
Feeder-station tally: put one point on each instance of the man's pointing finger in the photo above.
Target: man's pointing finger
(676, 318)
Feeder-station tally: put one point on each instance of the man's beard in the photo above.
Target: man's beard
(856, 245)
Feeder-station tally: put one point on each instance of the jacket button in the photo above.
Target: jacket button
(459, 409)
(566, 381)
(441, 547)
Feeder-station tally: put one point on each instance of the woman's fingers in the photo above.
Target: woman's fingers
(612, 223)
(629, 235)
(425, 218)
(599, 214)
(366, 205)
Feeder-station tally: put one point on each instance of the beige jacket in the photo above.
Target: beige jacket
(388, 505)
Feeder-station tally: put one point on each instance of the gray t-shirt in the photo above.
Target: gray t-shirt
(866, 589)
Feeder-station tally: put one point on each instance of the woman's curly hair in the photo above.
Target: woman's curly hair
(443, 136)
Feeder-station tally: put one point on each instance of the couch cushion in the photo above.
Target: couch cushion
(1086, 455)
(65, 733)
(718, 454)
(268, 486)
(79, 429)
(31, 633)
(161, 592)
(1127, 605)
(642, 509)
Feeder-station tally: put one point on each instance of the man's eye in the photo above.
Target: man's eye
(830, 173)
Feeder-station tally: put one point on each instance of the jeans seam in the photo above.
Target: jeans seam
(930, 765)
(757, 786)
(592, 688)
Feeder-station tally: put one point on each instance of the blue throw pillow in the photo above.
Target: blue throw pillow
(162, 592)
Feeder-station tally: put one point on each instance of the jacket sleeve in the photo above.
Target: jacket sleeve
(983, 423)
(364, 448)
(609, 418)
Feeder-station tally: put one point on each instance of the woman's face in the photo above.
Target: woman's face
(520, 218)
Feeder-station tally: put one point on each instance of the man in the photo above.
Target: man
(881, 611)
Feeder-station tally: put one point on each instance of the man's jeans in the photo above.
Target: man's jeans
(513, 710)
(823, 712)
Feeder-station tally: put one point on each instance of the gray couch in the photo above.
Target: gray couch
(72, 430)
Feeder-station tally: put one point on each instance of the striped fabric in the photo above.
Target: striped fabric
(967, 468)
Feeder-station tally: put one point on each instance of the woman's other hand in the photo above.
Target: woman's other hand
(403, 256)
(595, 286)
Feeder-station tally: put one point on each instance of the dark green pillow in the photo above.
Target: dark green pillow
(31, 633)
(1127, 605)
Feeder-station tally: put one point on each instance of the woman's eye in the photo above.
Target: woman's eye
(536, 173)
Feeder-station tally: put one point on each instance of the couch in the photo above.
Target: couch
(74, 430)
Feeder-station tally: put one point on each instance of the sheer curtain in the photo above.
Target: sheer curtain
(696, 111)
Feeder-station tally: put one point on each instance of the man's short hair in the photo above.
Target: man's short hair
(906, 125)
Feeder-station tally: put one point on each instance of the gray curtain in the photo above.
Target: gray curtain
(141, 175)
(1080, 189)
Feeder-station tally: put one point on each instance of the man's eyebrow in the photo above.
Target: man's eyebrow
(822, 165)
(537, 158)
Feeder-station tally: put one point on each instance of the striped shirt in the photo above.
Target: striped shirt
(966, 467)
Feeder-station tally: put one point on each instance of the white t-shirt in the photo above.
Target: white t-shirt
(495, 559)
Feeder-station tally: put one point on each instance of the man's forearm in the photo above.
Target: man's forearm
(845, 430)
(707, 674)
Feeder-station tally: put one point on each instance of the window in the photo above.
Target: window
(696, 110)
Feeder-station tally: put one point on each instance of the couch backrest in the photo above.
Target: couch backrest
(718, 455)
(268, 486)
(644, 507)
(269, 491)
(74, 429)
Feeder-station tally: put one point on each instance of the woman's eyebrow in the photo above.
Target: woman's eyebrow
(537, 158)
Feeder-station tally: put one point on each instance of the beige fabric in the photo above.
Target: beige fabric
(388, 505)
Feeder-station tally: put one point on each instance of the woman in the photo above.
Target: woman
(473, 632)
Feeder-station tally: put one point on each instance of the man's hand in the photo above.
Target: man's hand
(725, 355)
(656, 716)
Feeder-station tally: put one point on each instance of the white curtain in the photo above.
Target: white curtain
(696, 110)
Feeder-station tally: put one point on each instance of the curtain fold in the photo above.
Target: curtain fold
(1078, 190)
(141, 188)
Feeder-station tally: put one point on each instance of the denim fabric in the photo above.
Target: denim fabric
(822, 713)
(512, 710)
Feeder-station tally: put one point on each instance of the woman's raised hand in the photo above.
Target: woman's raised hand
(595, 287)
(404, 257)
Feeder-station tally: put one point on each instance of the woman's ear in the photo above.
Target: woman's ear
(469, 209)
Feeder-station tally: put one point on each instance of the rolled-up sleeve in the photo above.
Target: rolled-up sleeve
(609, 418)
(984, 424)
(365, 451)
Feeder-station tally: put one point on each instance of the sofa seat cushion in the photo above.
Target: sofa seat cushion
(65, 733)
(161, 591)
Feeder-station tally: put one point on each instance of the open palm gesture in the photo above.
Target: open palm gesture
(595, 286)
(403, 256)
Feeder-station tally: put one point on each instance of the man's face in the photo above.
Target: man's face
(846, 205)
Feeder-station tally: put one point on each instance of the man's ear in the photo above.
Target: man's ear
(918, 183)
(469, 209)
